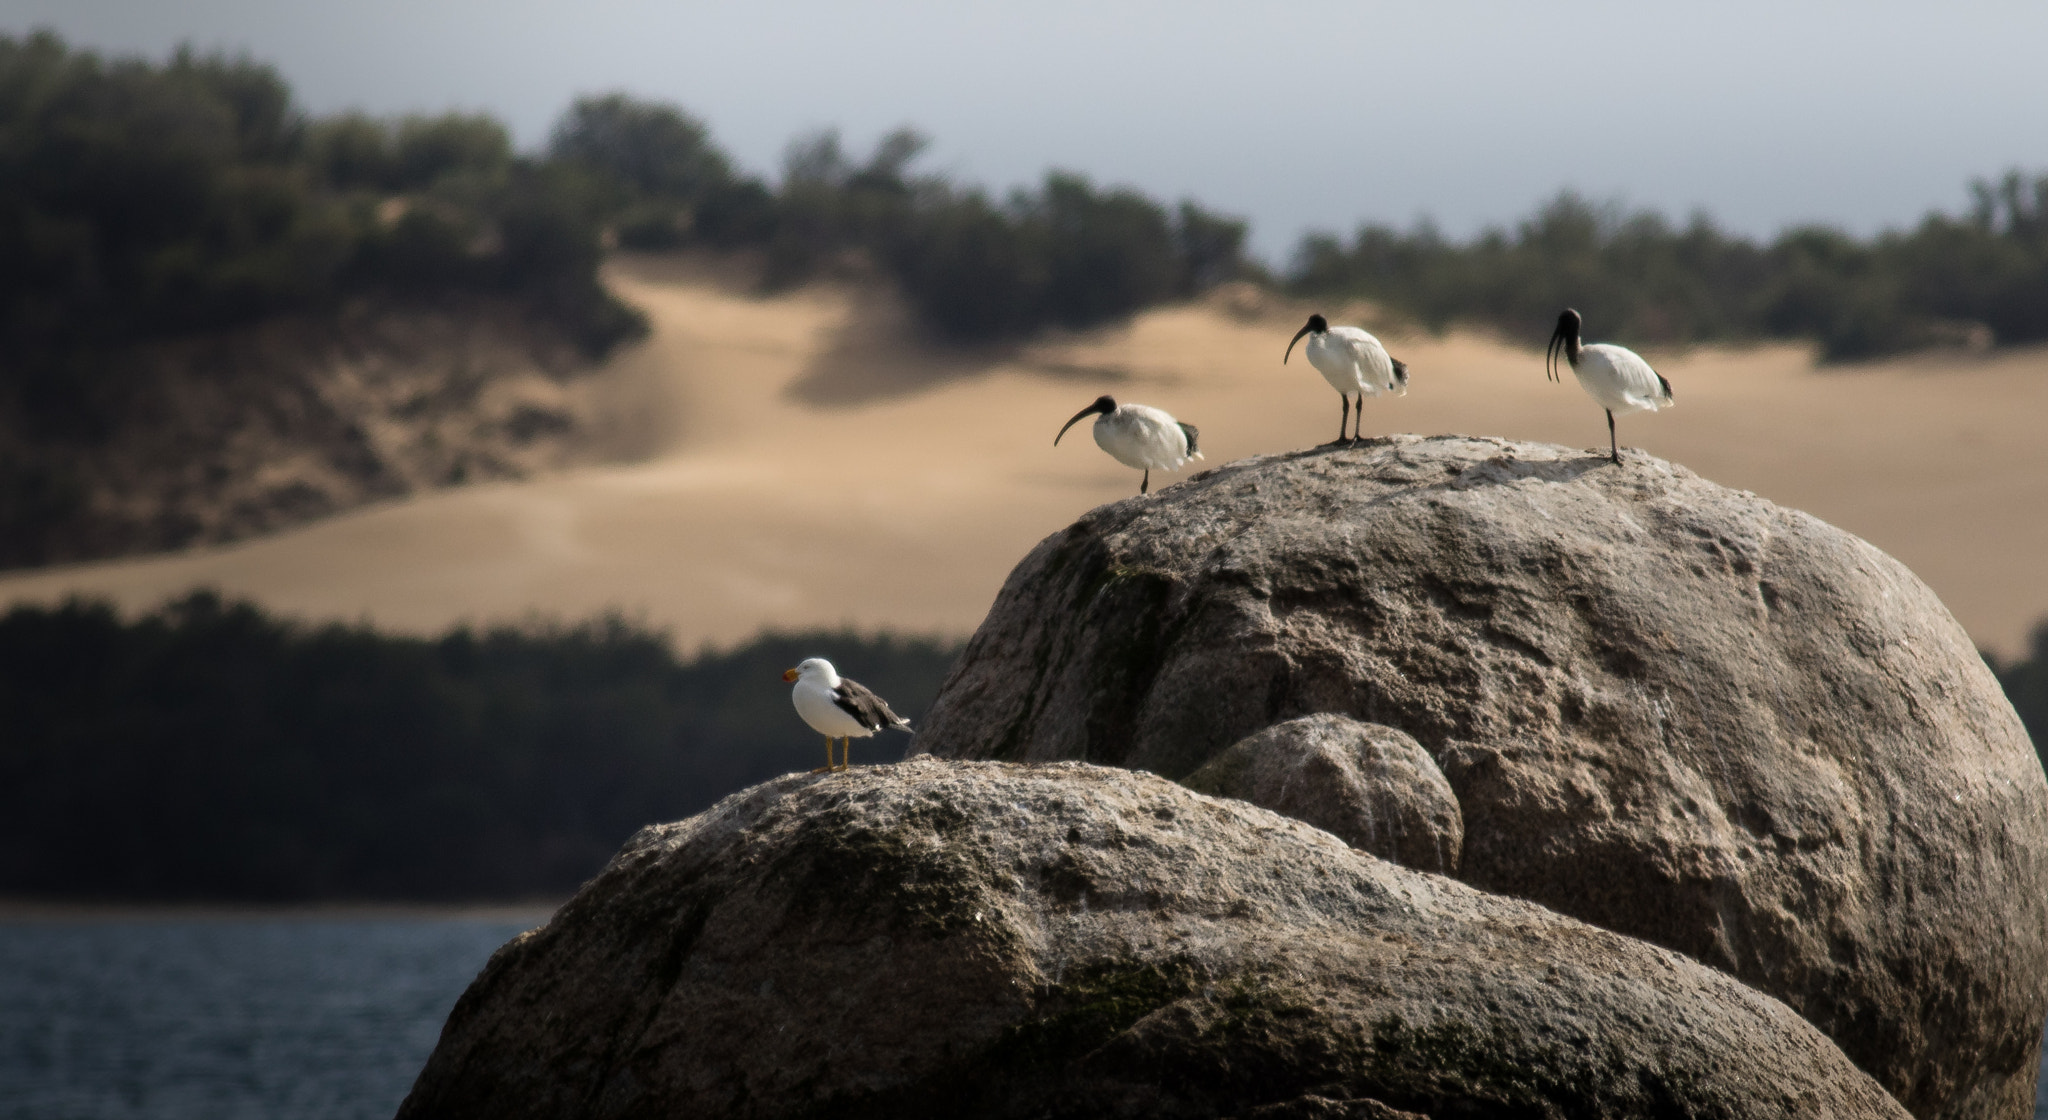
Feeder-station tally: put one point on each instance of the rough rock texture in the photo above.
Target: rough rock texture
(1370, 786)
(979, 939)
(1312, 1107)
(1668, 708)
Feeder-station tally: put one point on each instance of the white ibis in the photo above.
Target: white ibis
(1139, 436)
(1352, 361)
(1614, 376)
(838, 708)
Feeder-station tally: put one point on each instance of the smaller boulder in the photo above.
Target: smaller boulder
(1367, 784)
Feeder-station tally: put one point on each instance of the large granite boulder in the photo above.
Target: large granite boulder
(1670, 709)
(1370, 786)
(981, 939)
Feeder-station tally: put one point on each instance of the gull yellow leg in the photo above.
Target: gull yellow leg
(828, 758)
(845, 752)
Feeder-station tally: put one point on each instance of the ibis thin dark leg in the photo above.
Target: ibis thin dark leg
(1357, 432)
(1613, 449)
(1146, 483)
(1343, 414)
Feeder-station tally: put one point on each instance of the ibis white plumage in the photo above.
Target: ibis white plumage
(1139, 436)
(1617, 378)
(838, 708)
(1352, 361)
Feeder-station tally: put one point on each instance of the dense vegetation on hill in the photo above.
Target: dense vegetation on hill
(141, 201)
(145, 199)
(210, 752)
(974, 268)
(1981, 277)
(1069, 254)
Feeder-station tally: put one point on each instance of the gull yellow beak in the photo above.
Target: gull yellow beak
(789, 674)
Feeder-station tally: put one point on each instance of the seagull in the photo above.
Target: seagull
(838, 708)
(1139, 436)
(1614, 376)
(1352, 361)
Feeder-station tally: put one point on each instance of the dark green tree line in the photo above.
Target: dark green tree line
(2026, 685)
(1641, 278)
(209, 751)
(973, 267)
(140, 201)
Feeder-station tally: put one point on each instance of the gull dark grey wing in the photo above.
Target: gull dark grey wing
(860, 702)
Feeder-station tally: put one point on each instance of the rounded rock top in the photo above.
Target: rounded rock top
(1669, 708)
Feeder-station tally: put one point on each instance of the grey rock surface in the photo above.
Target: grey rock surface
(1313, 1107)
(981, 939)
(1372, 787)
(1668, 708)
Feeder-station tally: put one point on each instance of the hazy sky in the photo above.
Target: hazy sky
(1296, 115)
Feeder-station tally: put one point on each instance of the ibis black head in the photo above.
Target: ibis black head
(1564, 343)
(1316, 324)
(1104, 404)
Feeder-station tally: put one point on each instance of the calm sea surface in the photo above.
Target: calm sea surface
(228, 1018)
(234, 1018)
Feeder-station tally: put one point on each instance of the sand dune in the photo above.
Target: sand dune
(820, 469)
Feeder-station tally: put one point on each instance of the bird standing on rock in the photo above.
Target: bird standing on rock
(1352, 361)
(838, 708)
(1139, 436)
(1615, 376)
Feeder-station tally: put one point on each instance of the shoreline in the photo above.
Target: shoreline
(29, 911)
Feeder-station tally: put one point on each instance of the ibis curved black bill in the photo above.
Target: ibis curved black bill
(1564, 343)
(1290, 345)
(1104, 405)
(1315, 323)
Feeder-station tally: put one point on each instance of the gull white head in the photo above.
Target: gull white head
(816, 670)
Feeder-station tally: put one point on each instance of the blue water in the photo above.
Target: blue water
(227, 1019)
(237, 1019)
